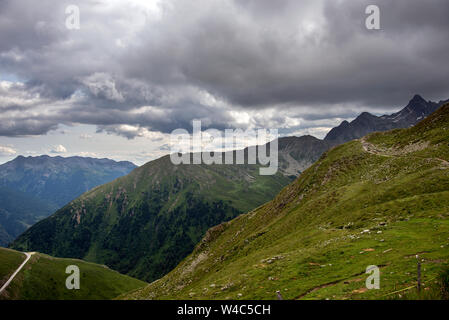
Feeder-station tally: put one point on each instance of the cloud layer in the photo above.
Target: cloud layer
(7, 151)
(139, 68)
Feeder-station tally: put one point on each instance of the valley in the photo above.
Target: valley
(32, 188)
(223, 159)
(147, 222)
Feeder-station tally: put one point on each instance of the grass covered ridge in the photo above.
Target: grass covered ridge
(44, 277)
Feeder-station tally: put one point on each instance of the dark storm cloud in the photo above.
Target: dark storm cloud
(210, 60)
(26, 126)
(325, 55)
(164, 119)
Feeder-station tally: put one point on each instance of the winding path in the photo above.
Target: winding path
(370, 148)
(28, 256)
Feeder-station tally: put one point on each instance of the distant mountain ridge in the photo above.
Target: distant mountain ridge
(18, 211)
(57, 179)
(31, 188)
(144, 223)
(296, 154)
(416, 110)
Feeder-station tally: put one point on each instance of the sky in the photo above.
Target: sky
(136, 70)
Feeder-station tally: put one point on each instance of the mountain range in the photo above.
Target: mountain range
(31, 188)
(145, 223)
(416, 110)
(375, 203)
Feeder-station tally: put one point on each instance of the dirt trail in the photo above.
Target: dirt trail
(329, 284)
(371, 148)
(317, 288)
(28, 256)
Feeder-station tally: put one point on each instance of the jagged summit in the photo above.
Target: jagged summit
(416, 110)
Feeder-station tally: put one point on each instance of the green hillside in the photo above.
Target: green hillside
(44, 277)
(378, 201)
(145, 223)
(10, 261)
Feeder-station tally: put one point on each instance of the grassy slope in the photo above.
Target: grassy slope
(43, 277)
(10, 260)
(310, 243)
